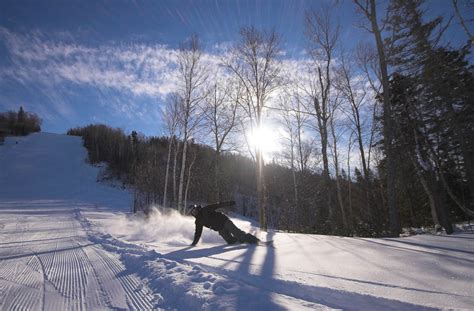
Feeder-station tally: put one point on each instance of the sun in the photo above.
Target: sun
(264, 139)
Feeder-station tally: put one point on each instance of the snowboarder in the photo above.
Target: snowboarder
(208, 217)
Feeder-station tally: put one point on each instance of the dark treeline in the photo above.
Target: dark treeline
(18, 123)
(400, 107)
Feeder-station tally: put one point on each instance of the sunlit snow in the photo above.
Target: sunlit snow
(69, 242)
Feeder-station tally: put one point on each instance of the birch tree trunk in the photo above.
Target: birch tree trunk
(168, 162)
(188, 181)
(175, 166)
(338, 179)
(193, 76)
(181, 207)
(323, 35)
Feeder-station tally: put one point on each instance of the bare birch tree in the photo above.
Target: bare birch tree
(253, 60)
(356, 98)
(323, 36)
(176, 150)
(170, 116)
(336, 134)
(349, 178)
(366, 59)
(222, 118)
(354, 93)
(193, 76)
(294, 120)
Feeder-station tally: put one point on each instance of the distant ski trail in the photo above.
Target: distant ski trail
(47, 262)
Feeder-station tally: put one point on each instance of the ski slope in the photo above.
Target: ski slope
(68, 242)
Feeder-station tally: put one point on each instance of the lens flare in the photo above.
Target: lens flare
(264, 139)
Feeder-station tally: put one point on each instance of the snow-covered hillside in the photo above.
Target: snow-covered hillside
(68, 242)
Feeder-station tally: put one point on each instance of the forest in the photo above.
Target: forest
(374, 140)
(18, 123)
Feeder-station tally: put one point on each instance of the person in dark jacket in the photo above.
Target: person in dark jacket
(208, 217)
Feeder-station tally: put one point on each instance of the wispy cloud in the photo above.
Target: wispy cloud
(138, 69)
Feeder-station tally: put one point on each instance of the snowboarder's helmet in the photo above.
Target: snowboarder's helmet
(193, 209)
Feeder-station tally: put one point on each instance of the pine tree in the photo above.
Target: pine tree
(438, 90)
(20, 122)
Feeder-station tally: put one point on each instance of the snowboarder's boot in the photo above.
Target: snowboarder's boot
(251, 239)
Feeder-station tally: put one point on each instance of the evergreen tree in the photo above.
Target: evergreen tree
(20, 122)
(428, 98)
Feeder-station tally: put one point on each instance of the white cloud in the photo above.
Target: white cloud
(139, 69)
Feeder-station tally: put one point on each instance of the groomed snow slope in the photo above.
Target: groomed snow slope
(47, 261)
(67, 242)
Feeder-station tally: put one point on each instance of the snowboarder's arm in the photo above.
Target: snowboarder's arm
(197, 234)
(219, 205)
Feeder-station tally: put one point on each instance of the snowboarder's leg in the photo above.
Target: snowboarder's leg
(225, 234)
(241, 236)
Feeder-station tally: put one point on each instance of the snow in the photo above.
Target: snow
(69, 242)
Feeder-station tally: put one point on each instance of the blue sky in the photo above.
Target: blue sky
(80, 62)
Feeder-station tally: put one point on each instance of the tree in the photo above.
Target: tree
(253, 60)
(451, 94)
(323, 36)
(193, 76)
(367, 62)
(354, 93)
(411, 134)
(298, 151)
(442, 77)
(222, 118)
(194, 153)
(355, 96)
(171, 119)
(20, 122)
(470, 37)
(369, 10)
(349, 179)
(336, 134)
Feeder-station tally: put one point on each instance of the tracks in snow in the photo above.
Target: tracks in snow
(47, 262)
